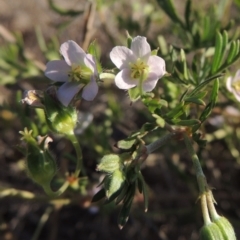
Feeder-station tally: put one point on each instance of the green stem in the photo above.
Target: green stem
(205, 213)
(159, 143)
(47, 188)
(201, 179)
(211, 207)
(79, 166)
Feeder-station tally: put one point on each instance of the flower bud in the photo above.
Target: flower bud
(211, 232)
(59, 118)
(109, 163)
(40, 164)
(114, 182)
(226, 228)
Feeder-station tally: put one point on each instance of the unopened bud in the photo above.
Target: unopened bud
(59, 118)
(109, 163)
(226, 228)
(40, 164)
(211, 232)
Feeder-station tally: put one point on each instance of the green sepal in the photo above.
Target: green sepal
(94, 50)
(159, 120)
(134, 93)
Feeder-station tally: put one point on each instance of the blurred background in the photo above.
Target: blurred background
(31, 33)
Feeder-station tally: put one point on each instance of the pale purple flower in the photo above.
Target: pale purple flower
(77, 70)
(233, 85)
(137, 65)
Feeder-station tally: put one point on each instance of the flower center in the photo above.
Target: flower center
(80, 74)
(236, 85)
(139, 69)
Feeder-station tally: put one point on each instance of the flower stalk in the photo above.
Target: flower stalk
(201, 179)
(77, 147)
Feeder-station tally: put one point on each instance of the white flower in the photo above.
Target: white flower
(78, 70)
(137, 65)
(233, 85)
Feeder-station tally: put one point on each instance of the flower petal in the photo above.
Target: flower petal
(122, 56)
(57, 70)
(141, 48)
(90, 90)
(72, 53)
(236, 94)
(237, 76)
(229, 84)
(89, 62)
(157, 66)
(123, 80)
(150, 83)
(67, 92)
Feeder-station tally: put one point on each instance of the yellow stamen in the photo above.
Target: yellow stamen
(79, 74)
(236, 85)
(139, 69)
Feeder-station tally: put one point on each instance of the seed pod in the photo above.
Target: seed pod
(226, 228)
(211, 232)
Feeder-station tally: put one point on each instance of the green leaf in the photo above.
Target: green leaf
(232, 52)
(187, 13)
(170, 10)
(203, 84)
(190, 122)
(126, 143)
(62, 11)
(195, 100)
(213, 99)
(143, 189)
(176, 112)
(159, 120)
(218, 54)
(99, 195)
(124, 214)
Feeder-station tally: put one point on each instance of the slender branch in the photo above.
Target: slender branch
(159, 143)
(201, 179)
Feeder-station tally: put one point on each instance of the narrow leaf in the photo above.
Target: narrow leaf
(99, 195)
(217, 58)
